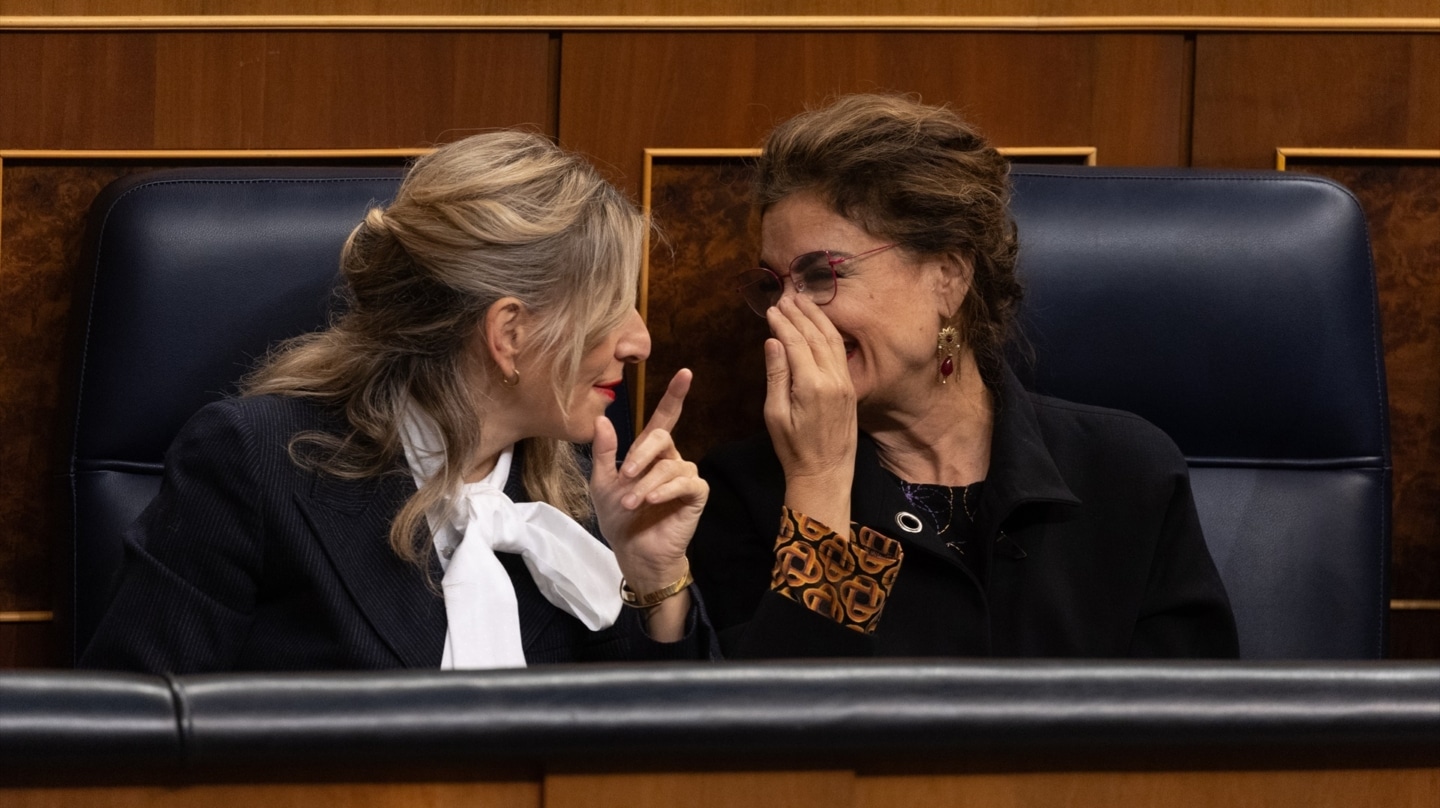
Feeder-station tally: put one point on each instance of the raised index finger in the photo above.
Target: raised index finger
(667, 412)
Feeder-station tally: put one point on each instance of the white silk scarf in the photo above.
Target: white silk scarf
(573, 569)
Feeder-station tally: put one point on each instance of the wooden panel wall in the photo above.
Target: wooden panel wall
(1125, 94)
(266, 90)
(1255, 93)
(1140, 98)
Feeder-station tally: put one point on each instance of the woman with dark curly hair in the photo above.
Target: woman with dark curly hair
(926, 503)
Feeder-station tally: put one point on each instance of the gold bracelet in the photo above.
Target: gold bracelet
(645, 601)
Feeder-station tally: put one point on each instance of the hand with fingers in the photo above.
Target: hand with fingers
(649, 507)
(810, 410)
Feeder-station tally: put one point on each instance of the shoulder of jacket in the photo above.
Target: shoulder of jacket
(1121, 429)
(271, 410)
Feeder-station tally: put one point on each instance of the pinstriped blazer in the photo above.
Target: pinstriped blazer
(246, 561)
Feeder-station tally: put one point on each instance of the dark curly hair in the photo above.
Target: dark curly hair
(917, 175)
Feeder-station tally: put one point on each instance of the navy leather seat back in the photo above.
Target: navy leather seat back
(192, 274)
(1237, 311)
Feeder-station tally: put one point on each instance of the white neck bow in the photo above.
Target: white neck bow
(573, 569)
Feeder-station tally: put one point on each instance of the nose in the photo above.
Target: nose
(634, 343)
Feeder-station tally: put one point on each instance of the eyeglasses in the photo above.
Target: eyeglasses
(813, 275)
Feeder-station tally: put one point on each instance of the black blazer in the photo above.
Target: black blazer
(1095, 550)
(246, 561)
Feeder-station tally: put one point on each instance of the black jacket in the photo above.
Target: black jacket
(1095, 550)
(246, 561)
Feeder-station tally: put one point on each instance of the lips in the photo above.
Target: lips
(607, 389)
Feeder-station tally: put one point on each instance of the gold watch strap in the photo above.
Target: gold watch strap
(629, 597)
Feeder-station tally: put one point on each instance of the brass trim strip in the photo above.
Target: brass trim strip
(1415, 605)
(679, 22)
(656, 152)
(26, 617)
(1090, 153)
(1284, 153)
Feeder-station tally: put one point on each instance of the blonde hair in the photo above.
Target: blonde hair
(917, 175)
(502, 214)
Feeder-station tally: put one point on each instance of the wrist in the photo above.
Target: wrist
(828, 503)
(643, 594)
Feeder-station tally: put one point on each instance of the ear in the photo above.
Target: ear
(956, 273)
(503, 333)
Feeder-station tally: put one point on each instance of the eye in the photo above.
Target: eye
(818, 275)
(809, 264)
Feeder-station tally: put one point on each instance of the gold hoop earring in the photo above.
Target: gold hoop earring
(946, 344)
(511, 382)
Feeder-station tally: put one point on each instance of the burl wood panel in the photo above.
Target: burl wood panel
(1402, 203)
(253, 90)
(1125, 94)
(696, 318)
(43, 225)
(1257, 92)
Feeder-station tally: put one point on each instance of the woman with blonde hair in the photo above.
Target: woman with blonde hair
(402, 488)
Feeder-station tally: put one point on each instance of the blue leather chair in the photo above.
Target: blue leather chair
(188, 276)
(1236, 311)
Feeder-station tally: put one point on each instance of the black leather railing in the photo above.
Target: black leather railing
(923, 716)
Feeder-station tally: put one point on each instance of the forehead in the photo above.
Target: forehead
(803, 223)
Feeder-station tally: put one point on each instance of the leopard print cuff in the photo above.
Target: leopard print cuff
(846, 579)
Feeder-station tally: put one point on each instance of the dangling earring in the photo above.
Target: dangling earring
(946, 344)
(511, 382)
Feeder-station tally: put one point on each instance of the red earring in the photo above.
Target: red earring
(946, 344)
